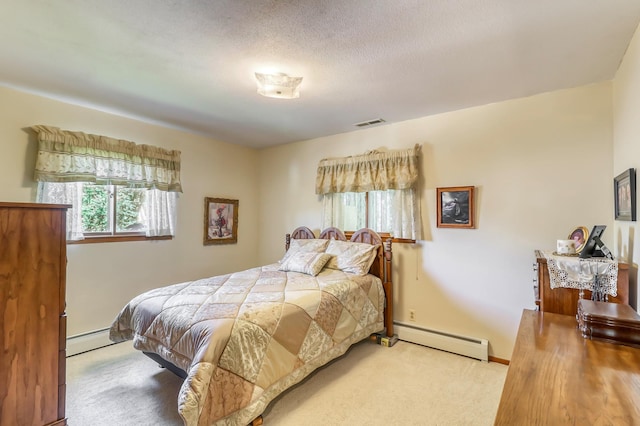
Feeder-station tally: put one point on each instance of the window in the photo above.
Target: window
(112, 210)
(100, 211)
(116, 188)
(374, 190)
(390, 212)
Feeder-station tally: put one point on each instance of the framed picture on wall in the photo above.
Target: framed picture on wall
(624, 190)
(456, 207)
(220, 221)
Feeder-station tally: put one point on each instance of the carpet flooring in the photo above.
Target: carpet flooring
(406, 384)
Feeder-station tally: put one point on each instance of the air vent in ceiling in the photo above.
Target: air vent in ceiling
(369, 123)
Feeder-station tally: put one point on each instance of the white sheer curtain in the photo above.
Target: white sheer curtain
(65, 193)
(396, 212)
(392, 211)
(344, 210)
(159, 212)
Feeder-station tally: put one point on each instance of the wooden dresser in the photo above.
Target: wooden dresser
(565, 300)
(557, 377)
(33, 323)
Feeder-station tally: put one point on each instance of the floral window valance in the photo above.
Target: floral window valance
(66, 156)
(373, 171)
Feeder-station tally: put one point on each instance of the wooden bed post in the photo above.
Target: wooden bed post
(388, 287)
(287, 242)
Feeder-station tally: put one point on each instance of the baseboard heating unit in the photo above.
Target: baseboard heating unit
(88, 341)
(466, 346)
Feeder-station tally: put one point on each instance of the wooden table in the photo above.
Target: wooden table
(557, 377)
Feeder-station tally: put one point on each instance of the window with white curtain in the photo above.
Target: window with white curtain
(115, 188)
(375, 190)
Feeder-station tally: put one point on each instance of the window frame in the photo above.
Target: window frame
(113, 235)
(118, 238)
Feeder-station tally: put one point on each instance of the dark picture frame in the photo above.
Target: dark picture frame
(624, 192)
(220, 221)
(594, 247)
(456, 207)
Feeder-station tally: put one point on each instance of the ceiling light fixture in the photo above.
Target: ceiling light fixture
(278, 85)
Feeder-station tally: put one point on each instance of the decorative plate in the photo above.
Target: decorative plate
(555, 253)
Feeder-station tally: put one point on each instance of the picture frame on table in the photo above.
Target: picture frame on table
(456, 207)
(580, 235)
(220, 221)
(624, 192)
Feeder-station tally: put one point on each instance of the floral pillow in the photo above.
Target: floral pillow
(355, 258)
(307, 263)
(312, 245)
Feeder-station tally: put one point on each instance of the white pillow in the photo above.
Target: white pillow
(355, 258)
(312, 245)
(308, 263)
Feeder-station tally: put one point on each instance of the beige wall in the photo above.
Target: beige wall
(101, 278)
(626, 125)
(541, 165)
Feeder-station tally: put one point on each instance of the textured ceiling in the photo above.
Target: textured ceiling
(190, 63)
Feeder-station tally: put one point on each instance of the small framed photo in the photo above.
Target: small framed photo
(624, 190)
(580, 235)
(220, 221)
(456, 207)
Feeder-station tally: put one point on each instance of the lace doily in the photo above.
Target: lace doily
(594, 274)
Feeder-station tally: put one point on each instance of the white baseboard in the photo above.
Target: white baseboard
(466, 346)
(88, 341)
(461, 345)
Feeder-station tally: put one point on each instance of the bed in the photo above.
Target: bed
(241, 339)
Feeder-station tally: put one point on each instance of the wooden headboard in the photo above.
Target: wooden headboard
(381, 266)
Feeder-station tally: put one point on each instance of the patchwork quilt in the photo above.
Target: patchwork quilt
(243, 338)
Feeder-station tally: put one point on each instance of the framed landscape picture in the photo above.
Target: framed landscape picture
(624, 190)
(220, 221)
(456, 207)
